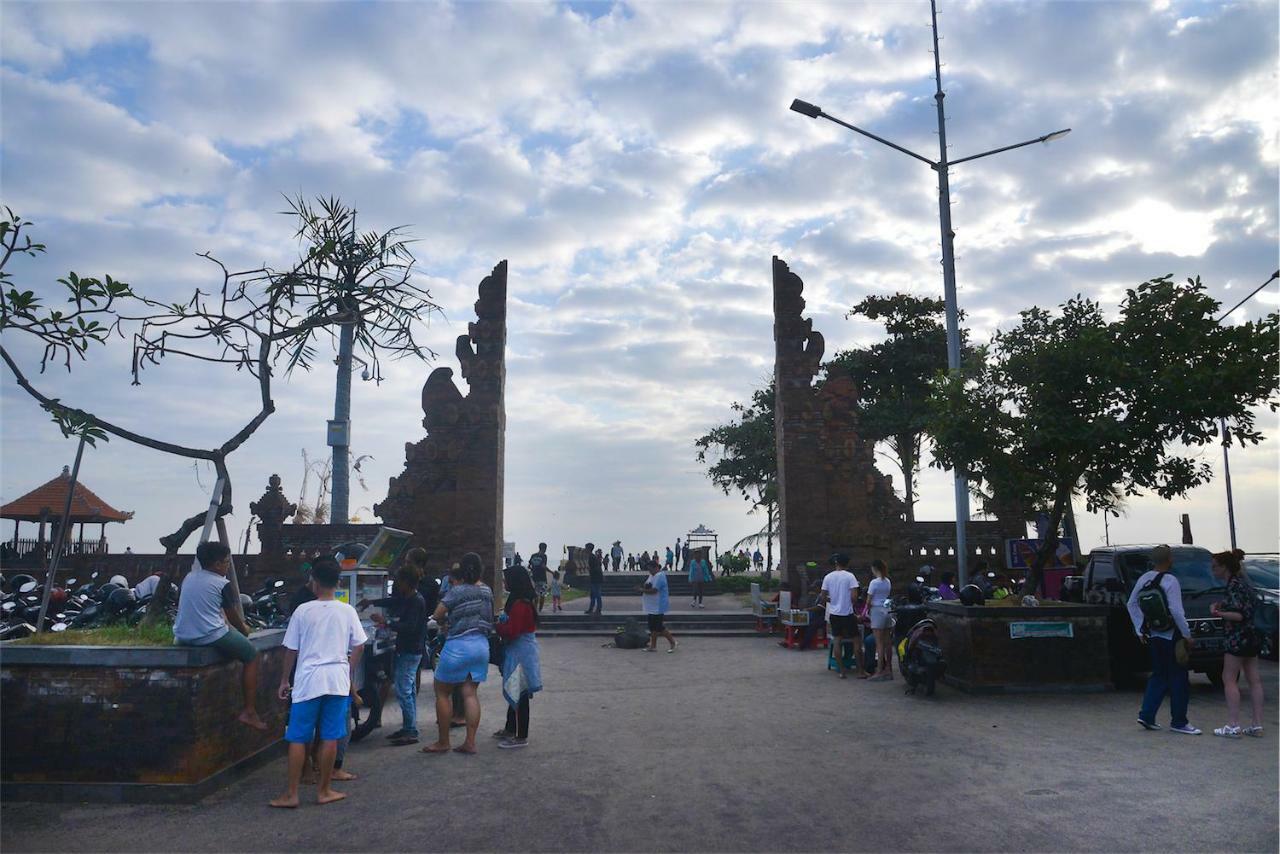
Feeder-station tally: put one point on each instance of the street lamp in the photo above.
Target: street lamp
(1222, 424)
(942, 167)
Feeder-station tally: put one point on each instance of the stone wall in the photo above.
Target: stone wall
(450, 492)
(130, 723)
(983, 658)
(831, 497)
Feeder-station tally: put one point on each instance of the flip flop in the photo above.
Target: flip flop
(433, 749)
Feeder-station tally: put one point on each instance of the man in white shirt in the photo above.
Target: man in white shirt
(839, 588)
(324, 640)
(1167, 676)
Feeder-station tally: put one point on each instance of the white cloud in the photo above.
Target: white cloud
(638, 169)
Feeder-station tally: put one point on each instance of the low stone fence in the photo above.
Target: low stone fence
(131, 724)
(1003, 649)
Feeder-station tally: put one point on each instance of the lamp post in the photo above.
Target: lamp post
(942, 167)
(1222, 424)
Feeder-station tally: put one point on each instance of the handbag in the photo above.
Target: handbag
(497, 650)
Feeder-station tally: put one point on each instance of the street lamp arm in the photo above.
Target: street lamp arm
(878, 139)
(1046, 138)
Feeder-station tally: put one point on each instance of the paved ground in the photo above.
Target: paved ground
(736, 745)
(739, 603)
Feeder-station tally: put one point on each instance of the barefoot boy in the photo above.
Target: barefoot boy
(325, 640)
(207, 616)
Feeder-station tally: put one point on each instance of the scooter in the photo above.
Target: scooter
(920, 657)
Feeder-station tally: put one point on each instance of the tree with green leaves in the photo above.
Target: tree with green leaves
(894, 377)
(1071, 403)
(742, 456)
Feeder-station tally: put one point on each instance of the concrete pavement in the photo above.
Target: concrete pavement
(738, 745)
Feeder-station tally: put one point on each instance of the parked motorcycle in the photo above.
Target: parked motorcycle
(915, 639)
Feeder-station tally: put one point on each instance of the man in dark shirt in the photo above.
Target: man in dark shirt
(595, 570)
(538, 571)
(408, 619)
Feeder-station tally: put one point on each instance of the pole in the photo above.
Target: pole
(340, 497)
(1226, 474)
(231, 576)
(949, 293)
(62, 538)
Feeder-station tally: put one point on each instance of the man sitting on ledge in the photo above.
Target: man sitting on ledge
(205, 608)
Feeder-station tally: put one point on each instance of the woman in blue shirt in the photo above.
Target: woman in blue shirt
(699, 575)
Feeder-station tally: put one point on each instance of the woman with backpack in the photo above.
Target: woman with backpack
(1243, 644)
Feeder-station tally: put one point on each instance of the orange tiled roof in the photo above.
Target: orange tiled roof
(49, 499)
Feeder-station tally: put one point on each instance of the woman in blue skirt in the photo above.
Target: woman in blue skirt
(468, 610)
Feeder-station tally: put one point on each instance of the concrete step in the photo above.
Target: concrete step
(679, 631)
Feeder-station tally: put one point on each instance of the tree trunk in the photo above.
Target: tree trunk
(157, 608)
(768, 564)
(1050, 545)
(907, 457)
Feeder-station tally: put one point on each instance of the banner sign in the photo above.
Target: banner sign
(1063, 629)
(1021, 554)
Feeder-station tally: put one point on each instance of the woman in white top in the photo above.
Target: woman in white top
(881, 622)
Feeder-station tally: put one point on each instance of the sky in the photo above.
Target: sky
(637, 165)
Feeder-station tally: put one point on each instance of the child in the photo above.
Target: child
(555, 591)
(324, 640)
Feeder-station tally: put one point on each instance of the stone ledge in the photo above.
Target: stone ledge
(995, 612)
(73, 655)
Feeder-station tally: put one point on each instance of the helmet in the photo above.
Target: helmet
(16, 581)
(58, 595)
(120, 598)
(971, 594)
(120, 579)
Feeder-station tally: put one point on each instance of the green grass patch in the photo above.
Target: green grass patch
(742, 583)
(568, 594)
(159, 635)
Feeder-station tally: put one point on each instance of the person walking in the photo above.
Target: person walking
(521, 666)
(656, 602)
(323, 644)
(616, 554)
(467, 607)
(1155, 607)
(595, 576)
(881, 622)
(538, 572)
(838, 589)
(1242, 644)
(555, 591)
(699, 577)
(671, 558)
(408, 612)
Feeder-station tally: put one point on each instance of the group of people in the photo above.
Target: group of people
(850, 611)
(1155, 608)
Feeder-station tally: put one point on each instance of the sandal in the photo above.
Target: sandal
(1227, 732)
(1255, 731)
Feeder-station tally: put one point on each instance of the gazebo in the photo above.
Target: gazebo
(44, 504)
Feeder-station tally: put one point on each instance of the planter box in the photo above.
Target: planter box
(130, 724)
(1000, 649)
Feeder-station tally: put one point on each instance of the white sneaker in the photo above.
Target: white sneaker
(1227, 731)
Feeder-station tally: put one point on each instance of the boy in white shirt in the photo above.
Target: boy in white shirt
(325, 640)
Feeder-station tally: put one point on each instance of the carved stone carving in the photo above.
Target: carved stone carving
(450, 493)
(272, 509)
(831, 497)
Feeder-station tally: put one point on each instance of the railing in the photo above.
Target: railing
(33, 552)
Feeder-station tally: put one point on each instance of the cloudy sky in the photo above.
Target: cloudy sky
(638, 166)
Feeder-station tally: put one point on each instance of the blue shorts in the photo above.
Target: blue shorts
(329, 711)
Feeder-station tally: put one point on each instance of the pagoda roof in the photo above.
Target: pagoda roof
(46, 503)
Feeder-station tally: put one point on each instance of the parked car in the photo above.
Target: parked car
(1263, 571)
(1108, 579)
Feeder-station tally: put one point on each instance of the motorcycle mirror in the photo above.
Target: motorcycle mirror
(279, 583)
(8, 606)
(93, 575)
(28, 587)
(70, 581)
